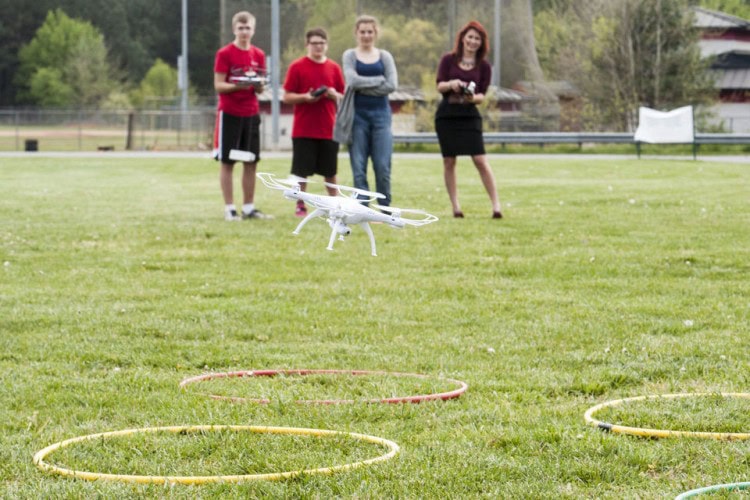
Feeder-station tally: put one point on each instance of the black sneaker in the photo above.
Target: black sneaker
(255, 214)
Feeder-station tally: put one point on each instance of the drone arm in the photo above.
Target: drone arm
(315, 213)
(398, 214)
(367, 229)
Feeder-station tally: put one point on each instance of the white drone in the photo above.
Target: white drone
(342, 210)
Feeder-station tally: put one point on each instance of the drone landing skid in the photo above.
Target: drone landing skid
(315, 213)
(367, 229)
(332, 239)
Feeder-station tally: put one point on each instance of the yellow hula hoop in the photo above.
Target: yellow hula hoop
(393, 450)
(664, 433)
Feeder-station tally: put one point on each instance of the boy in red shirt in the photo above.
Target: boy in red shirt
(314, 85)
(238, 71)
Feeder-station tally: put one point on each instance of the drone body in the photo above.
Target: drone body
(341, 211)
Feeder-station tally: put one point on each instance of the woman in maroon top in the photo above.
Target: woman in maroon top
(463, 77)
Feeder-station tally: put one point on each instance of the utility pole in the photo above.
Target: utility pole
(222, 22)
(275, 62)
(451, 22)
(182, 62)
(496, 55)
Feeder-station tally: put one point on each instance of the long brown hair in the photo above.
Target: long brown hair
(458, 48)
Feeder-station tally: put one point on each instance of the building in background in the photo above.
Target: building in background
(726, 39)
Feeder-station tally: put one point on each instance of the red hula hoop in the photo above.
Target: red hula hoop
(462, 386)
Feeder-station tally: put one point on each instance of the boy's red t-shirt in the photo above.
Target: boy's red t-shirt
(314, 120)
(233, 61)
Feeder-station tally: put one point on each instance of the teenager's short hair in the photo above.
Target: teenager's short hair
(316, 32)
(243, 17)
(365, 19)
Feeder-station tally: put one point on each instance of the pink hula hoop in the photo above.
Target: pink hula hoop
(462, 386)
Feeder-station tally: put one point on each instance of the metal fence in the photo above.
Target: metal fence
(172, 130)
(87, 130)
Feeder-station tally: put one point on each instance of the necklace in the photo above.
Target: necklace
(466, 64)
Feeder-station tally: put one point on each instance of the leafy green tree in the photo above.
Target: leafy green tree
(50, 88)
(420, 51)
(739, 8)
(88, 72)
(71, 51)
(335, 16)
(623, 54)
(645, 53)
(159, 83)
(559, 40)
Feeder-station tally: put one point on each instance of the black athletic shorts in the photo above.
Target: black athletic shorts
(236, 132)
(314, 156)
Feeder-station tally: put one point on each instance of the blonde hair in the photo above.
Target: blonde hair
(243, 17)
(365, 19)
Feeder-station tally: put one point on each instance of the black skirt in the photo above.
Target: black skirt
(459, 133)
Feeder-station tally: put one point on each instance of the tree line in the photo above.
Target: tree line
(122, 53)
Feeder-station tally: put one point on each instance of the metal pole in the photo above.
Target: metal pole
(451, 23)
(496, 58)
(184, 67)
(222, 25)
(275, 49)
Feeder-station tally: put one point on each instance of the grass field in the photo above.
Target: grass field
(606, 280)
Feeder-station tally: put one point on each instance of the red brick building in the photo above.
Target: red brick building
(726, 39)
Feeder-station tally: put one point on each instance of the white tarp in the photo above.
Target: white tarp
(660, 127)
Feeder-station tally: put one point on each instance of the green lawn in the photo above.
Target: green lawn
(606, 280)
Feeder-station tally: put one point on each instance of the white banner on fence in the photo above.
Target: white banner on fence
(657, 127)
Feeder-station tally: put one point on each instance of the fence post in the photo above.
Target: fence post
(129, 139)
(80, 131)
(18, 131)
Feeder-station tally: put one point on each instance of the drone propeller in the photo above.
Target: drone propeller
(293, 179)
(398, 212)
(270, 180)
(371, 195)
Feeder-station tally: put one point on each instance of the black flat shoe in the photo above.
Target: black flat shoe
(458, 214)
(497, 215)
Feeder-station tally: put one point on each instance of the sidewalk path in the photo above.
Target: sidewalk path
(287, 155)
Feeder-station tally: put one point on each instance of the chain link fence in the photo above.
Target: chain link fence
(91, 130)
(174, 130)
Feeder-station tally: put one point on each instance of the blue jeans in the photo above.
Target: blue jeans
(372, 138)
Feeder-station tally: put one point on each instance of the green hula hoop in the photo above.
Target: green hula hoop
(713, 489)
(392, 447)
(663, 433)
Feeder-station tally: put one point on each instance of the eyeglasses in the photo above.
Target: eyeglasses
(317, 43)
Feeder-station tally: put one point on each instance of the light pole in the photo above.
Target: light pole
(182, 62)
(496, 58)
(451, 22)
(275, 49)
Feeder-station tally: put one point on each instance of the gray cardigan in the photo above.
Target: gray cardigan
(368, 85)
